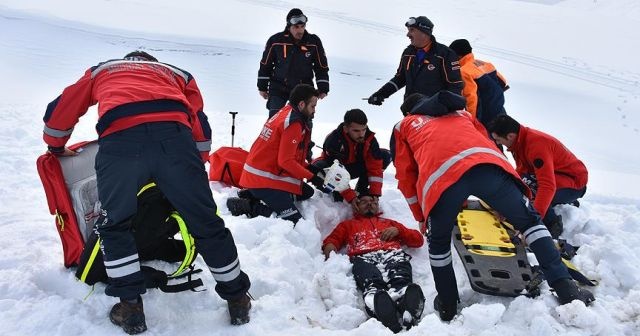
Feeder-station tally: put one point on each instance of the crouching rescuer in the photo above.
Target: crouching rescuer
(438, 169)
(151, 125)
(277, 162)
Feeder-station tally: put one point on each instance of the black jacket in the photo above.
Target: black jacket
(286, 63)
(356, 157)
(439, 70)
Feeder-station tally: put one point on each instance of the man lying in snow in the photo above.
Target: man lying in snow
(381, 268)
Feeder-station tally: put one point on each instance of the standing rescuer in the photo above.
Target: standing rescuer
(151, 126)
(292, 57)
(426, 66)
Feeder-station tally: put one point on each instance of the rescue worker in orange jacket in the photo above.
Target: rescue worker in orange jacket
(150, 126)
(276, 164)
(551, 170)
(426, 66)
(373, 241)
(292, 57)
(355, 146)
(437, 170)
(484, 86)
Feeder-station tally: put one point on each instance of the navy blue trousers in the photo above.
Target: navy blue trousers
(501, 191)
(562, 196)
(275, 103)
(282, 202)
(165, 153)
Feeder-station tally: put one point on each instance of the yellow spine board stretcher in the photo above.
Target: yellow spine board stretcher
(494, 263)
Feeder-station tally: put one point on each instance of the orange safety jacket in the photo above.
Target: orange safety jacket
(483, 88)
(277, 158)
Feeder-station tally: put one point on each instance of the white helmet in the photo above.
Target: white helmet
(336, 177)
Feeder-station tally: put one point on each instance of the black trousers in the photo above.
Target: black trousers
(165, 153)
(371, 269)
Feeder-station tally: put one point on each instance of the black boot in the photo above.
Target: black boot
(239, 310)
(386, 311)
(129, 316)
(413, 303)
(556, 227)
(447, 310)
(250, 207)
(567, 291)
(259, 209)
(245, 193)
(239, 206)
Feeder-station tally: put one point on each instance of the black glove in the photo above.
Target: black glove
(56, 150)
(313, 168)
(376, 99)
(310, 152)
(317, 181)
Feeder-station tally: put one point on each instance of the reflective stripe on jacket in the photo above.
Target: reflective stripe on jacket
(129, 93)
(426, 72)
(286, 63)
(432, 153)
(277, 157)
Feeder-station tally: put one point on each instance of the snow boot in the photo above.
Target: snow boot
(447, 311)
(412, 303)
(129, 316)
(386, 311)
(250, 207)
(556, 227)
(567, 291)
(245, 193)
(239, 206)
(239, 309)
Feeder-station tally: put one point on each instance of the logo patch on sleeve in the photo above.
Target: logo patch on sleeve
(538, 163)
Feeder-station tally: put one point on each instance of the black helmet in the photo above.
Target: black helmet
(140, 55)
(421, 23)
(461, 47)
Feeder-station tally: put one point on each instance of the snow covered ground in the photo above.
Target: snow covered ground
(571, 72)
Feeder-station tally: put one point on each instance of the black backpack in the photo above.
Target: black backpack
(154, 227)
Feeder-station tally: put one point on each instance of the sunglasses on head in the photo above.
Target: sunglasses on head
(298, 19)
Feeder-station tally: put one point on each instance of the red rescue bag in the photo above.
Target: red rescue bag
(226, 165)
(70, 186)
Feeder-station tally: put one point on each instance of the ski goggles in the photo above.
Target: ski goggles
(413, 22)
(298, 19)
